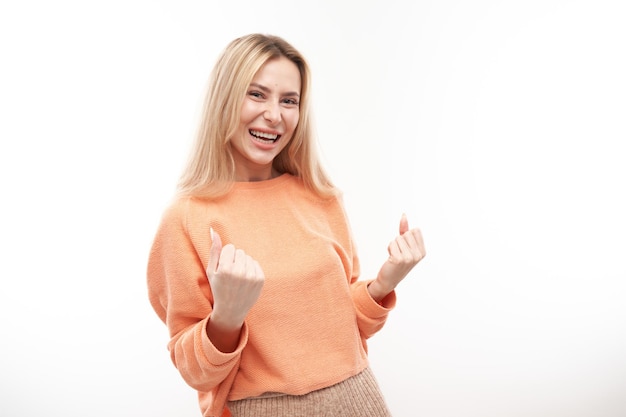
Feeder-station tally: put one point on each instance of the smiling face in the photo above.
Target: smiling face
(269, 116)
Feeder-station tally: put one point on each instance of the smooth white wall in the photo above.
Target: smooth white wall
(497, 126)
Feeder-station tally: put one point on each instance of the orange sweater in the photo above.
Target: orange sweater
(308, 329)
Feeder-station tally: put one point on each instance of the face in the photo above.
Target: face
(269, 116)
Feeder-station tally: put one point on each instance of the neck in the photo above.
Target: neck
(256, 176)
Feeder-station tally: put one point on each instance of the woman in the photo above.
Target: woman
(253, 267)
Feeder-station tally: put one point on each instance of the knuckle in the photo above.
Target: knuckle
(222, 268)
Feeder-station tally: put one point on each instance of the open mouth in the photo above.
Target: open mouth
(264, 137)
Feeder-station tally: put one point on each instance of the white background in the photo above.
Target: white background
(497, 126)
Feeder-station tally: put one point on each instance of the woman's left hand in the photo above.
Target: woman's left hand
(405, 251)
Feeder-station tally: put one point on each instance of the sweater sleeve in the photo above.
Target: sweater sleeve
(371, 316)
(180, 295)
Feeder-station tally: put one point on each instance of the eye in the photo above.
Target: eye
(291, 101)
(255, 94)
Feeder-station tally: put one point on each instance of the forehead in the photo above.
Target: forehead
(279, 73)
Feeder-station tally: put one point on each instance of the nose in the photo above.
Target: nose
(272, 113)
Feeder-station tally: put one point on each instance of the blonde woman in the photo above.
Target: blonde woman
(253, 268)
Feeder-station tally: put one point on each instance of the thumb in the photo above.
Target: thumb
(404, 224)
(216, 250)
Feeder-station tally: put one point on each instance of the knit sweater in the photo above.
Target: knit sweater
(309, 327)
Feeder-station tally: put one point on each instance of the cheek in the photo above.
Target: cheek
(248, 112)
(293, 121)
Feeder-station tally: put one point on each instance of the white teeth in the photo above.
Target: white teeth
(263, 135)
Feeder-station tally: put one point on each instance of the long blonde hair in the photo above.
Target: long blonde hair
(210, 170)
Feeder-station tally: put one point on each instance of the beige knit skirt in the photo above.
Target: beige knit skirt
(358, 396)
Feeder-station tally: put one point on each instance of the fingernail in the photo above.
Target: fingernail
(212, 233)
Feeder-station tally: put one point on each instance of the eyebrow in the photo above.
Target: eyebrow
(267, 90)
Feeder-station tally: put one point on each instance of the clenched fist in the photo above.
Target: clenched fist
(405, 251)
(236, 281)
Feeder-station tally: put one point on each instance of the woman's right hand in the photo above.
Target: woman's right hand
(236, 281)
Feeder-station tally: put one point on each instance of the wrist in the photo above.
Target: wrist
(377, 291)
(224, 338)
(226, 321)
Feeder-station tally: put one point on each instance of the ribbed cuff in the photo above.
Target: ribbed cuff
(366, 304)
